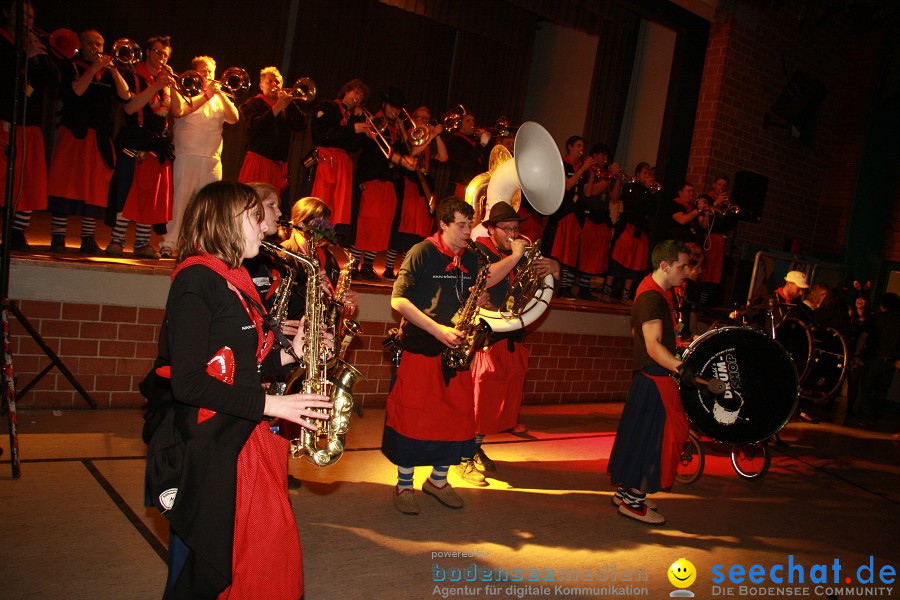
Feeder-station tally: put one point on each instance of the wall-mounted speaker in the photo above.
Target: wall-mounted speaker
(749, 192)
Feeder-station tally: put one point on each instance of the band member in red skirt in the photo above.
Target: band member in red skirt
(214, 468)
(629, 253)
(653, 427)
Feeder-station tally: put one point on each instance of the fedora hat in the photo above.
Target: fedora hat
(501, 211)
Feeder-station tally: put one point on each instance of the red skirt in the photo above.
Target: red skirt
(421, 407)
(334, 183)
(259, 169)
(631, 252)
(566, 240)
(377, 205)
(593, 254)
(414, 217)
(499, 378)
(266, 559)
(149, 198)
(714, 259)
(33, 195)
(77, 169)
(675, 431)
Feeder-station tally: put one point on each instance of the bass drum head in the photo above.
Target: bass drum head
(761, 386)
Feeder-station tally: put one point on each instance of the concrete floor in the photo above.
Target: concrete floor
(73, 525)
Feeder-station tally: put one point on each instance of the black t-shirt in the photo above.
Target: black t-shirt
(499, 292)
(267, 134)
(650, 306)
(425, 281)
(91, 110)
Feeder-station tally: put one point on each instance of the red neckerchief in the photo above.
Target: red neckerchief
(345, 112)
(649, 285)
(444, 249)
(239, 280)
(687, 205)
(471, 140)
(85, 66)
(266, 100)
(574, 162)
(780, 293)
(160, 101)
(12, 39)
(488, 242)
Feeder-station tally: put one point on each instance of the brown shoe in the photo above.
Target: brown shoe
(146, 252)
(114, 249)
(469, 473)
(405, 501)
(445, 495)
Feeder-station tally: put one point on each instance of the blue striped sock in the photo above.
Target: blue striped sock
(438, 475)
(405, 477)
(635, 499)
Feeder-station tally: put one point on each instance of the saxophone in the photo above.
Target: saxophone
(280, 310)
(474, 329)
(343, 330)
(325, 445)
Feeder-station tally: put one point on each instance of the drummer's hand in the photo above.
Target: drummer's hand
(687, 376)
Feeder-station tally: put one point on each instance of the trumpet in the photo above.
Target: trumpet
(452, 119)
(304, 90)
(233, 81)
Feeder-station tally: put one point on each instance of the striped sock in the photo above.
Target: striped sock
(568, 278)
(405, 477)
(58, 224)
(22, 220)
(88, 227)
(389, 261)
(635, 499)
(585, 281)
(369, 258)
(438, 476)
(118, 232)
(141, 235)
(357, 254)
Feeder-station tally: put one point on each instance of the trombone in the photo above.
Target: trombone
(188, 84)
(452, 119)
(304, 90)
(126, 53)
(418, 136)
(378, 126)
(233, 81)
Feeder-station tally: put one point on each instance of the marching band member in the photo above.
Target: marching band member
(630, 246)
(715, 223)
(416, 221)
(421, 429)
(468, 149)
(141, 187)
(686, 214)
(499, 371)
(653, 427)
(29, 139)
(272, 117)
(339, 128)
(602, 187)
(197, 135)
(83, 159)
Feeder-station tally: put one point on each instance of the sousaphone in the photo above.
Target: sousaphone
(536, 171)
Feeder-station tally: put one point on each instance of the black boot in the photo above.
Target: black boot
(17, 241)
(58, 244)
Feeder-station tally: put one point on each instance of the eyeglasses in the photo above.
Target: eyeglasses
(510, 229)
(159, 52)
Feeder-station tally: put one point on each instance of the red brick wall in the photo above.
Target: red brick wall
(748, 65)
(109, 349)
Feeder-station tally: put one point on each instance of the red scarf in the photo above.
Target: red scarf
(649, 285)
(161, 101)
(266, 100)
(444, 249)
(240, 281)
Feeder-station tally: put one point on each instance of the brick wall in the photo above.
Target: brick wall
(109, 349)
(749, 62)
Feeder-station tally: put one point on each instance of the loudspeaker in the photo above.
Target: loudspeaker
(749, 192)
(799, 103)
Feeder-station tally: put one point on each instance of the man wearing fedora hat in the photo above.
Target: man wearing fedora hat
(499, 370)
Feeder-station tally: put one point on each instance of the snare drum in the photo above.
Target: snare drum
(761, 385)
(820, 355)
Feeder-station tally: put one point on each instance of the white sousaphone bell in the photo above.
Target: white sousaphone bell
(536, 171)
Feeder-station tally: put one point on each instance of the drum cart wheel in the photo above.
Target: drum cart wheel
(751, 461)
(690, 467)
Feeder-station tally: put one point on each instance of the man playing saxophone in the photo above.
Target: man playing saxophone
(421, 429)
(499, 369)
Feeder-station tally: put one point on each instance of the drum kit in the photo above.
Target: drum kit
(764, 381)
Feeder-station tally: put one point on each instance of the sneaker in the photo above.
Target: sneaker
(115, 249)
(367, 273)
(616, 501)
(17, 241)
(293, 483)
(166, 252)
(446, 495)
(58, 244)
(469, 473)
(89, 246)
(484, 460)
(585, 294)
(146, 252)
(644, 514)
(405, 501)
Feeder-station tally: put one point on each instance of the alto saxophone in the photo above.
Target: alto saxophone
(344, 330)
(280, 309)
(325, 445)
(474, 329)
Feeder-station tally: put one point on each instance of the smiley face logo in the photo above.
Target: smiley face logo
(682, 573)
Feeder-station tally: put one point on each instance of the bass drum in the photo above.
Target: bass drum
(820, 355)
(761, 386)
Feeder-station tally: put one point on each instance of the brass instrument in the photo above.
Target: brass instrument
(378, 126)
(126, 53)
(417, 137)
(467, 321)
(452, 119)
(528, 296)
(304, 90)
(325, 445)
(64, 43)
(501, 128)
(233, 81)
(343, 329)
